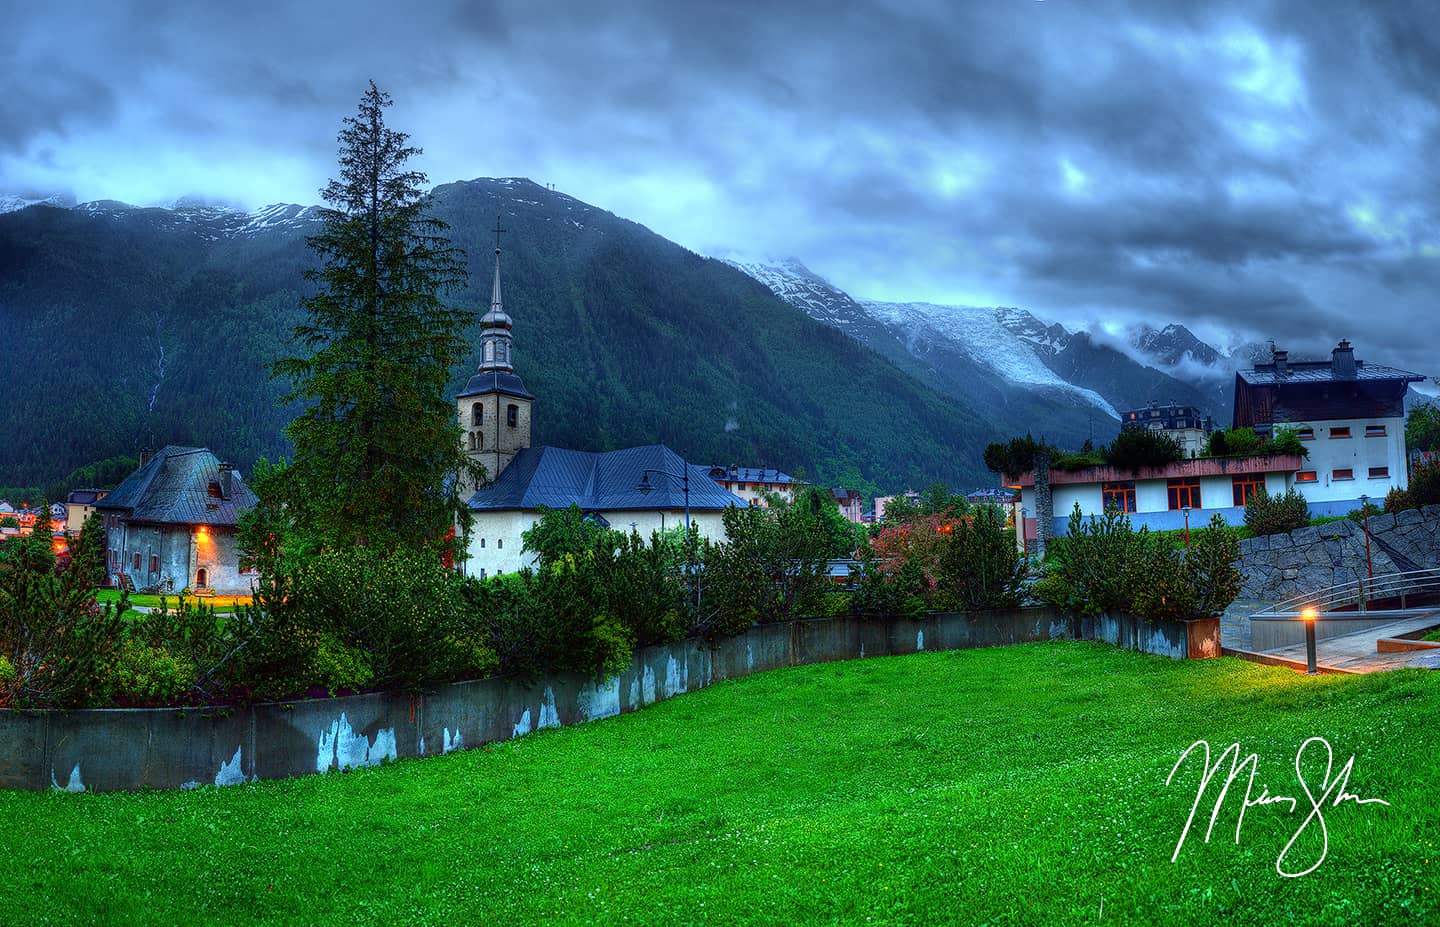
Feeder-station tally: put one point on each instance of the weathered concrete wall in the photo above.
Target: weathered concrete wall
(1279, 566)
(1199, 639)
(110, 749)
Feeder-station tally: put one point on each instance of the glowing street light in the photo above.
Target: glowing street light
(1309, 615)
(1186, 510)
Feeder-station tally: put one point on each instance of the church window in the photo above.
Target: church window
(472, 440)
(500, 542)
(512, 415)
(482, 543)
(477, 414)
(202, 577)
(489, 351)
(479, 441)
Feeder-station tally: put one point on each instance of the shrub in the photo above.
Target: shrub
(1210, 562)
(979, 565)
(772, 567)
(1016, 455)
(144, 674)
(1397, 500)
(902, 593)
(1276, 514)
(1425, 483)
(1134, 448)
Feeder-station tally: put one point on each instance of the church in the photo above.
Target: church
(642, 488)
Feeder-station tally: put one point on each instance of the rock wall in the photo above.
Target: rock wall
(1278, 566)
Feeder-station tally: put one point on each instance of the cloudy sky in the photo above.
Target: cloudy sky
(1261, 168)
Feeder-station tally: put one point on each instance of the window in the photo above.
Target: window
(1305, 434)
(1119, 496)
(500, 542)
(1344, 474)
(114, 560)
(137, 563)
(1374, 431)
(1184, 492)
(472, 440)
(213, 490)
(512, 415)
(1247, 487)
(479, 441)
(1305, 476)
(1379, 473)
(1342, 431)
(477, 414)
(741, 487)
(154, 564)
(202, 578)
(482, 543)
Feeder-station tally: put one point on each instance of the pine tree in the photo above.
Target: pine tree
(378, 447)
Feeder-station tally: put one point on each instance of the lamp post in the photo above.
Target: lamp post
(1186, 509)
(1309, 616)
(1024, 532)
(684, 477)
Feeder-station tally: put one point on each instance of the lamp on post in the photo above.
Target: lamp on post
(683, 476)
(1186, 509)
(1309, 616)
(1024, 531)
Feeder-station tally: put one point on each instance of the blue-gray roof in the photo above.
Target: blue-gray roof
(1323, 372)
(495, 381)
(749, 474)
(604, 481)
(173, 488)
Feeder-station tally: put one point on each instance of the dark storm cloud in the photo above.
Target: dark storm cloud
(1262, 168)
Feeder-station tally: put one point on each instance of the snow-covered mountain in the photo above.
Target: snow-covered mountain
(1044, 377)
(212, 221)
(983, 335)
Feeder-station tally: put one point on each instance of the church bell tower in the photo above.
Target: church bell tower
(494, 407)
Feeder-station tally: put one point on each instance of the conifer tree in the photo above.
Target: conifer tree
(378, 447)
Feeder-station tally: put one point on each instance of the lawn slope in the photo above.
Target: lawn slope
(1018, 785)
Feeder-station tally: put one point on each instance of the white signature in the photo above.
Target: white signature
(1332, 794)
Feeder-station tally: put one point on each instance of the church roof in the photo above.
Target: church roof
(174, 488)
(600, 481)
(495, 381)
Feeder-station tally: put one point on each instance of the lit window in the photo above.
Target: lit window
(1342, 431)
(1184, 492)
(1374, 431)
(1343, 474)
(1247, 488)
(1119, 496)
(1305, 476)
(1305, 434)
(1379, 473)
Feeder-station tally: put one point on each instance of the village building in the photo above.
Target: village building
(641, 488)
(1190, 429)
(171, 525)
(1350, 414)
(851, 502)
(755, 484)
(883, 502)
(79, 505)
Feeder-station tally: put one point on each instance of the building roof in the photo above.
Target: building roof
(495, 381)
(604, 481)
(750, 474)
(85, 496)
(1322, 372)
(174, 488)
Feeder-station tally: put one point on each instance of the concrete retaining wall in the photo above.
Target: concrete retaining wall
(110, 749)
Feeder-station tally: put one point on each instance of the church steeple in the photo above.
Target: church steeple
(495, 339)
(494, 407)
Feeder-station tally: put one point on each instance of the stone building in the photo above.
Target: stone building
(1185, 424)
(171, 525)
(755, 484)
(644, 488)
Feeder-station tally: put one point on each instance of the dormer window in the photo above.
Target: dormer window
(213, 491)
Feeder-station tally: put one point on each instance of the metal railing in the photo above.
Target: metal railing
(1422, 586)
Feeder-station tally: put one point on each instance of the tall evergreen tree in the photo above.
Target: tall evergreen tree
(378, 447)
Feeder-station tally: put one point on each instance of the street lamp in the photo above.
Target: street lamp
(1309, 616)
(684, 477)
(1024, 531)
(1186, 510)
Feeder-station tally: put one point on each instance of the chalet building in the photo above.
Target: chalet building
(881, 502)
(752, 484)
(1183, 423)
(851, 504)
(171, 525)
(644, 488)
(1349, 413)
(79, 504)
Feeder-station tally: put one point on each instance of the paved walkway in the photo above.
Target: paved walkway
(1355, 653)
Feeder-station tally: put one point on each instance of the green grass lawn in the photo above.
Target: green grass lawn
(1020, 785)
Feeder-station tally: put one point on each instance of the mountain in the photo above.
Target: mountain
(1023, 372)
(127, 327)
